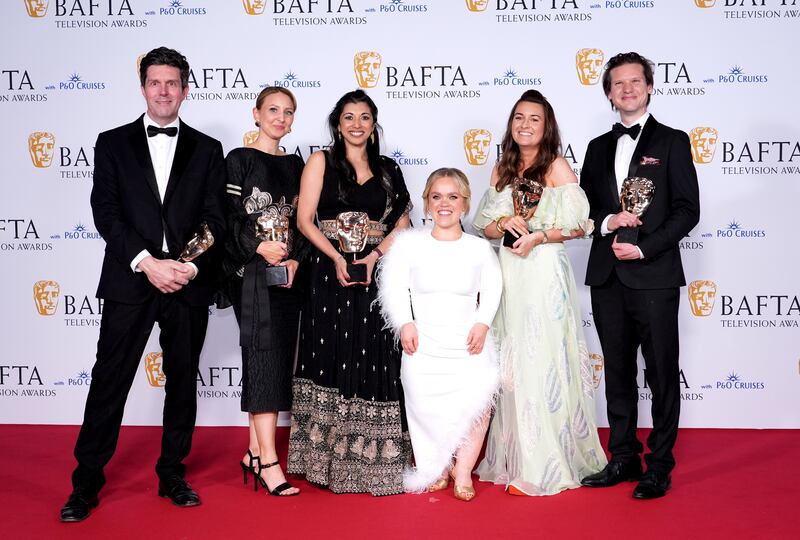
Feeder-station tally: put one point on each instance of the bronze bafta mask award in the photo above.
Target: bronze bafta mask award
(636, 195)
(352, 229)
(198, 244)
(275, 229)
(525, 195)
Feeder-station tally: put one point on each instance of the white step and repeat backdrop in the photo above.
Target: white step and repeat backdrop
(444, 75)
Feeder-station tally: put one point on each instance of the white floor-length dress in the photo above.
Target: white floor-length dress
(444, 287)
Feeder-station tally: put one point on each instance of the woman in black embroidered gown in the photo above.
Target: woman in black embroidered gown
(264, 181)
(348, 427)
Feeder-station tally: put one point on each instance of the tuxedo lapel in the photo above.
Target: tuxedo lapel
(641, 146)
(183, 152)
(138, 140)
(611, 175)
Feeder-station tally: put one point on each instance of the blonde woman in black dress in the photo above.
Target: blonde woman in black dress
(265, 181)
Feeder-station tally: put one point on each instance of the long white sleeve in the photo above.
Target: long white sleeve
(394, 281)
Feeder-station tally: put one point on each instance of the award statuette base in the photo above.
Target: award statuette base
(357, 272)
(509, 239)
(628, 235)
(277, 275)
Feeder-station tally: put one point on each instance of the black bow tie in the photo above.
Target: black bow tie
(619, 130)
(152, 131)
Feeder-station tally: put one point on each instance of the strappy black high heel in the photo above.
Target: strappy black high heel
(279, 489)
(254, 464)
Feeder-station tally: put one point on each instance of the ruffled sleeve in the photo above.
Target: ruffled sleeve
(493, 205)
(565, 208)
(394, 282)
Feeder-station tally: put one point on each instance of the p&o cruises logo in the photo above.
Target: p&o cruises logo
(737, 75)
(86, 14)
(179, 8)
(402, 159)
(399, 7)
(510, 77)
(292, 80)
(531, 11)
(76, 83)
(305, 12)
(735, 230)
(434, 81)
(78, 232)
(735, 382)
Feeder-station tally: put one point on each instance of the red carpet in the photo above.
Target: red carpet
(728, 484)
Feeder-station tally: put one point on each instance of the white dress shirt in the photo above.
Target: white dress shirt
(162, 153)
(626, 146)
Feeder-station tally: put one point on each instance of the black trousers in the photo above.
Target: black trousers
(124, 331)
(626, 319)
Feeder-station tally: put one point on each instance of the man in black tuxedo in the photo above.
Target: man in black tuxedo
(635, 287)
(155, 181)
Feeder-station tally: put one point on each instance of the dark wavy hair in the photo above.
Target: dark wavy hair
(549, 148)
(627, 58)
(347, 174)
(163, 56)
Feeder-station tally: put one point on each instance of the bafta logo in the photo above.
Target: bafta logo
(250, 137)
(476, 145)
(45, 296)
(139, 65)
(702, 294)
(41, 146)
(36, 8)
(254, 7)
(367, 67)
(477, 5)
(596, 361)
(704, 3)
(589, 63)
(704, 142)
(152, 366)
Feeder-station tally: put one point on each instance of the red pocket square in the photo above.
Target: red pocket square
(647, 160)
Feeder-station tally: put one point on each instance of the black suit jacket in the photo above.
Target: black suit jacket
(131, 217)
(675, 209)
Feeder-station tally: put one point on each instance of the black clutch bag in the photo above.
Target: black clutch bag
(357, 272)
(509, 239)
(277, 275)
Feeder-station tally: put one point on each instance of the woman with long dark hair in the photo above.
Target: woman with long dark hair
(263, 183)
(348, 430)
(543, 438)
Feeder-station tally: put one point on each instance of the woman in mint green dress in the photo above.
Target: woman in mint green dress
(543, 437)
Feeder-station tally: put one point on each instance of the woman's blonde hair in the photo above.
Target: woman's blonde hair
(448, 172)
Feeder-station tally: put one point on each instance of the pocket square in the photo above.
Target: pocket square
(647, 160)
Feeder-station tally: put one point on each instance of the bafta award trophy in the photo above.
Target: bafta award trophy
(198, 244)
(276, 229)
(636, 195)
(525, 195)
(352, 231)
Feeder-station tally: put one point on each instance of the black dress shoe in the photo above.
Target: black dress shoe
(78, 504)
(615, 472)
(653, 485)
(178, 490)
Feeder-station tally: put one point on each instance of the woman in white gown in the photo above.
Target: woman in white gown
(439, 291)
(543, 438)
